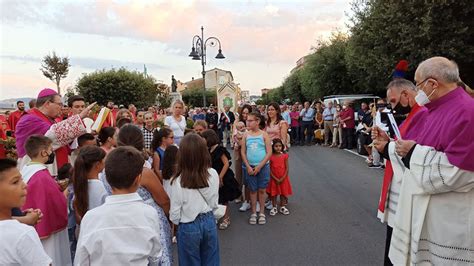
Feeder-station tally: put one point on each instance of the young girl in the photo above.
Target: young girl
(169, 167)
(89, 191)
(107, 138)
(162, 139)
(194, 195)
(228, 186)
(256, 150)
(280, 182)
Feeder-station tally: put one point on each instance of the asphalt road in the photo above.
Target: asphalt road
(332, 221)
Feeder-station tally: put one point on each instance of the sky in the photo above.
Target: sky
(261, 40)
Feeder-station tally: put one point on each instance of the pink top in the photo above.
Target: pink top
(274, 131)
(295, 116)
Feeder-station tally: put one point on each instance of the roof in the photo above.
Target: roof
(197, 83)
(227, 71)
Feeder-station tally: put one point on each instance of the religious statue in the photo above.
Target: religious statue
(173, 84)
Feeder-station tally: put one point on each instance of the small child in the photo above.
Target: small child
(162, 139)
(221, 160)
(86, 139)
(45, 194)
(280, 182)
(240, 126)
(123, 230)
(20, 244)
(256, 149)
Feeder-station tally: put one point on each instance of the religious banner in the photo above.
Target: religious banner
(227, 95)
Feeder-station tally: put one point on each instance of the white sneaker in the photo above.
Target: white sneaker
(269, 206)
(245, 207)
(258, 207)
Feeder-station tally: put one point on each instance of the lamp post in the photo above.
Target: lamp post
(198, 52)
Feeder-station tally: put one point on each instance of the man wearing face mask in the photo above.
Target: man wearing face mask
(15, 116)
(401, 96)
(434, 218)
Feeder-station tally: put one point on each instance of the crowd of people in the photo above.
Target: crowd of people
(142, 179)
(145, 179)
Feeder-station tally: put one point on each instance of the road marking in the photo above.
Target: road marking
(355, 153)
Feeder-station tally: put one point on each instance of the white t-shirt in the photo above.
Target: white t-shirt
(20, 245)
(177, 127)
(122, 231)
(187, 204)
(97, 193)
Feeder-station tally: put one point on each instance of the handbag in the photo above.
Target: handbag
(219, 212)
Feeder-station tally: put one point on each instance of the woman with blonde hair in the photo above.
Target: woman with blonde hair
(176, 121)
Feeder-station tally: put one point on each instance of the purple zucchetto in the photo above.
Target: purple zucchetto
(46, 92)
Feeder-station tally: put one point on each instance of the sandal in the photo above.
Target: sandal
(253, 218)
(273, 211)
(262, 219)
(224, 224)
(284, 210)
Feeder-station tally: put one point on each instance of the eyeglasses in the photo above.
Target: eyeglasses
(419, 83)
(59, 103)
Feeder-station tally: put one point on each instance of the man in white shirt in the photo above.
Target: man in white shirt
(124, 230)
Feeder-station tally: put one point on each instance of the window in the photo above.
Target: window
(222, 80)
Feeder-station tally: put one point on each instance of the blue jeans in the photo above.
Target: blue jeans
(198, 243)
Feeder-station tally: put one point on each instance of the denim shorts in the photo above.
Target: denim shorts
(259, 181)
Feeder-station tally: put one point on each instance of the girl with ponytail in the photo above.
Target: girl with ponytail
(89, 191)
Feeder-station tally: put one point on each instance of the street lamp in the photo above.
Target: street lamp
(198, 52)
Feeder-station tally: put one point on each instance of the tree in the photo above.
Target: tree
(55, 68)
(381, 34)
(121, 86)
(384, 32)
(193, 97)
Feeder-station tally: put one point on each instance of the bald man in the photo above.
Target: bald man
(434, 219)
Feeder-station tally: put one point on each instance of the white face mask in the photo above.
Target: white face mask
(421, 97)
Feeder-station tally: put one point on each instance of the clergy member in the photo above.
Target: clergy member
(401, 96)
(435, 213)
(16, 115)
(40, 120)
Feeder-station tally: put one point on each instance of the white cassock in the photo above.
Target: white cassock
(434, 223)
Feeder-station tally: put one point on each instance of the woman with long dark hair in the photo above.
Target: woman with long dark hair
(276, 126)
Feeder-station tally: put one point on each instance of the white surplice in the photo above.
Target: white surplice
(434, 223)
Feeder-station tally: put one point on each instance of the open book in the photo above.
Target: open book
(99, 121)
